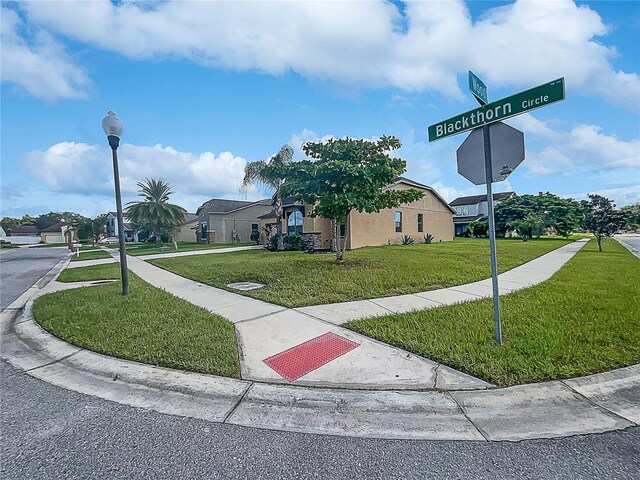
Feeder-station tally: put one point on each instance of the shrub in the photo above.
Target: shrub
(407, 240)
(273, 242)
(292, 242)
(255, 236)
(428, 238)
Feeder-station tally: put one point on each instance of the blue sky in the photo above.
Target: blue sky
(204, 87)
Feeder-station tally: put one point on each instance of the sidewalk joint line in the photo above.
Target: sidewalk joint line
(55, 361)
(479, 429)
(596, 404)
(246, 390)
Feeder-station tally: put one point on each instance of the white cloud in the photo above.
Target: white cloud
(363, 43)
(583, 148)
(79, 168)
(41, 66)
(621, 196)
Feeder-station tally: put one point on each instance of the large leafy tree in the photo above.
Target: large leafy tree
(345, 175)
(536, 213)
(601, 218)
(92, 228)
(269, 173)
(631, 215)
(154, 211)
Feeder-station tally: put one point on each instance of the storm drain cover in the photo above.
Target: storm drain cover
(308, 356)
(245, 286)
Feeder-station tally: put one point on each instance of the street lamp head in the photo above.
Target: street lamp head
(112, 125)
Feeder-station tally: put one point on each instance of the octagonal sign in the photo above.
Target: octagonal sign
(507, 152)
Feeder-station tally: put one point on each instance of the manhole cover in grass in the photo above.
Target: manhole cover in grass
(245, 286)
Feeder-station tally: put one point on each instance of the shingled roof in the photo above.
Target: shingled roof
(221, 205)
(56, 227)
(25, 230)
(473, 199)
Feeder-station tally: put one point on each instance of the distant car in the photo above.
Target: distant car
(108, 241)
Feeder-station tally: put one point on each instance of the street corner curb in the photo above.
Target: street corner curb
(30, 348)
(592, 404)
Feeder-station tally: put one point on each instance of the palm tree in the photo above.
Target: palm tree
(155, 212)
(257, 172)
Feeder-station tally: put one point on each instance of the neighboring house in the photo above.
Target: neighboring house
(229, 221)
(25, 231)
(57, 233)
(188, 230)
(473, 208)
(130, 234)
(430, 214)
(3, 234)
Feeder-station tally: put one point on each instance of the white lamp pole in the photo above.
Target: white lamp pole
(113, 128)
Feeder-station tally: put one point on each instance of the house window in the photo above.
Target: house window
(398, 218)
(462, 210)
(343, 230)
(203, 231)
(294, 223)
(420, 222)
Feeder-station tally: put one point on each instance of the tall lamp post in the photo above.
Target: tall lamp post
(113, 128)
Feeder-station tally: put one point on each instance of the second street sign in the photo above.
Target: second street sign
(499, 110)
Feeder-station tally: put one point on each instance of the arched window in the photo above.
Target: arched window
(294, 223)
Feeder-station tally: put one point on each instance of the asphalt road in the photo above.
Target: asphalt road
(51, 433)
(631, 240)
(20, 268)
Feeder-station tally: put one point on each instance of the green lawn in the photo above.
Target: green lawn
(89, 256)
(152, 248)
(149, 325)
(585, 319)
(110, 271)
(295, 279)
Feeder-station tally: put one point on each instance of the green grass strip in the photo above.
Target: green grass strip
(585, 319)
(296, 279)
(89, 256)
(110, 271)
(149, 326)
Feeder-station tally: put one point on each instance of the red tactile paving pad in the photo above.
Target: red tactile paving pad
(306, 357)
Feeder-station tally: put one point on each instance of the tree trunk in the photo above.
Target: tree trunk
(599, 240)
(343, 242)
(279, 223)
(334, 238)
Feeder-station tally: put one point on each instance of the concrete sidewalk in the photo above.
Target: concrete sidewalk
(524, 276)
(114, 253)
(592, 404)
(265, 330)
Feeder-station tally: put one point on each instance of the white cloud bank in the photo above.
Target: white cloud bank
(79, 168)
(41, 65)
(583, 148)
(364, 43)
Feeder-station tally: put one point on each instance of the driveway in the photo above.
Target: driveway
(20, 268)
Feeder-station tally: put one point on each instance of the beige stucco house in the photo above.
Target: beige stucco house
(59, 233)
(430, 214)
(188, 231)
(229, 221)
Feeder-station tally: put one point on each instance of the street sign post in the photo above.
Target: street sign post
(507, 148)
(517, 104)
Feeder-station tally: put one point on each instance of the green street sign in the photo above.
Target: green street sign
(517, 104)
(478, 88)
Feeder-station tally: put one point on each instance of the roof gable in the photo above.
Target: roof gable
(473, 199)
(221, 205)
